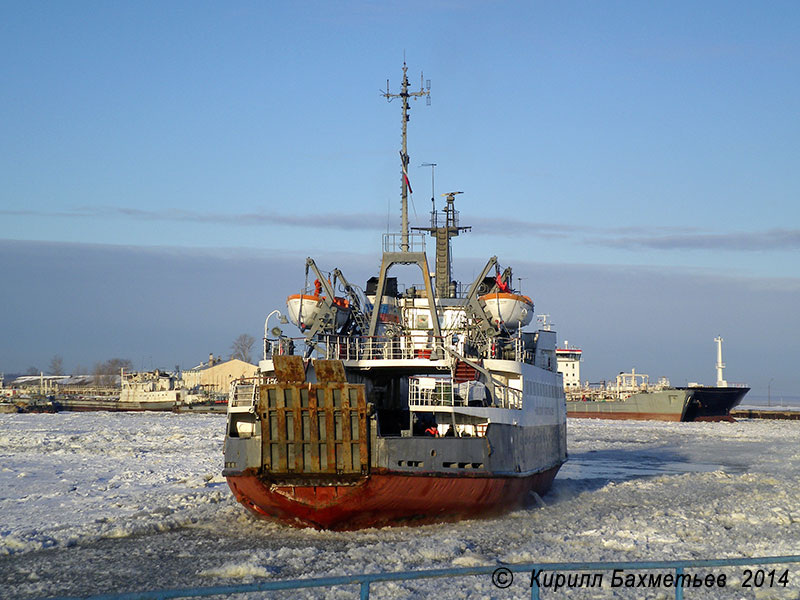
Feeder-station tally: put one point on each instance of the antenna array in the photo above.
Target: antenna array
(404, 95)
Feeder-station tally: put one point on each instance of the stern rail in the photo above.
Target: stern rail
(243, 394)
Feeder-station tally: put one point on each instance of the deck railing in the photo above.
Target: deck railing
(442, 391)
(345, 347)
(348, 347)
(243, 394)
(626, 576)
(283, 345)
(508, 397)
(393, 242)
(432, 391)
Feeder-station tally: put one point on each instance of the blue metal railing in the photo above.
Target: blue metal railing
(365, 580)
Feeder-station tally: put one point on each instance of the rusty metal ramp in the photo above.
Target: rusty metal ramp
(314, 431)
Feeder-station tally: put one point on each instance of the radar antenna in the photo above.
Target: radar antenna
(404, 95)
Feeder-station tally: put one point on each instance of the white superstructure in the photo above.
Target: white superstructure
(569, 365)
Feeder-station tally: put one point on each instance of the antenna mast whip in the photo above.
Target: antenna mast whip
(404, 95)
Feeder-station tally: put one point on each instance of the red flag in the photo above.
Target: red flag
(408, 183)
(403, 161)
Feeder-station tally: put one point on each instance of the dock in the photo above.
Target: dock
(766, 413)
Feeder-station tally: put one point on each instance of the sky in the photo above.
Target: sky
(167, 168)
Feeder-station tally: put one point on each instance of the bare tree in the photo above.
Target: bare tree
(242, 347)
(106, 373)
(56, 365)
(115, 364)
(100, 375)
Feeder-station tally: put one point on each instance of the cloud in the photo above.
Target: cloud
(622, 238)
(348, 221)
(321, 221)
(772, 239)
(493, 225)
(344, 221)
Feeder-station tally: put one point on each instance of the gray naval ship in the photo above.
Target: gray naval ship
(632, 396)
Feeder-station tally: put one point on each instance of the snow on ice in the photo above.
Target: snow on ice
(95, 503)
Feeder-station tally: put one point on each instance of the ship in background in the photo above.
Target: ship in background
(409, 404)
(201, 389)
(138, 391)
(633, 396)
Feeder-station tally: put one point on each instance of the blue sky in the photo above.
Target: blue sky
(636, 161)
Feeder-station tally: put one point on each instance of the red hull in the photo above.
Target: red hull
(630, 416)
(717, 418)
(388, 499)
(638, 416)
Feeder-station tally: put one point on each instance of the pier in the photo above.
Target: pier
(766, 413)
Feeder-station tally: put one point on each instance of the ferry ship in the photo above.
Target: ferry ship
(407, 404)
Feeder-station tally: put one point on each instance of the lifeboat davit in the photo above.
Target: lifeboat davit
(310, 306)
(510, 310)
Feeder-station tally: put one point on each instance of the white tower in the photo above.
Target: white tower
(720, 365)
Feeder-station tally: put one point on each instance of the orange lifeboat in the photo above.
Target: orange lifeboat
(310, 306)
(508, 309)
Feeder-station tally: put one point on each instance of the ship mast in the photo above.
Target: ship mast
(720, 365)
(404, 95)
(406, 256)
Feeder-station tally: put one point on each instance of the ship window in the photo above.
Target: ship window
(462, 465)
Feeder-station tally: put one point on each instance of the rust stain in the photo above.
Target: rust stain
(289, 368)
(329, 371)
